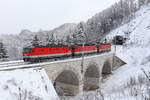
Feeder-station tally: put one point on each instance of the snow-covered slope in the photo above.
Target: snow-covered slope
(26, 84)
(64, 30)
(136, 51)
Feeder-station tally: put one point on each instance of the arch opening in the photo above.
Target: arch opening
(106, 69)
(91, 78)
(66, 83)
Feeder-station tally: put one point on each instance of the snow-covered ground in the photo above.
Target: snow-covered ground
(136, 51)
(26, 84)
(11, 62)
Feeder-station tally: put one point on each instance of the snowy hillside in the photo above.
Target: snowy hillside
(129, 81)
(136, 51)
(64, 30)
(26, 84)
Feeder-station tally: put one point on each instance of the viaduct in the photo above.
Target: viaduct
(69, 78)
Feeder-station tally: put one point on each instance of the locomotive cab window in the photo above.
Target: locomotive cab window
(26, 50)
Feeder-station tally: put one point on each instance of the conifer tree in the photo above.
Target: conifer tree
(50, 39)
(35, 42)
(79, 36)
(3, 51)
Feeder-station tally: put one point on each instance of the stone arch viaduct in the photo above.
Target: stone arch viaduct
(68, 79)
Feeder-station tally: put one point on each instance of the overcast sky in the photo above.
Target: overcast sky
(16, 15)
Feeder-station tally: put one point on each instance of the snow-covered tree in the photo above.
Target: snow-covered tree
(142, 2)
(3, 51)
(35, 42)
(79, 36)
(50, 39)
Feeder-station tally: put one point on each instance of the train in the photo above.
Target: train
(53, 51)
(119, 40)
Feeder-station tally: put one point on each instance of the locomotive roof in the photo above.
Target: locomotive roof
(61, 45)
(118, 36)
(50, 45)
(87, 44)
(54, 45)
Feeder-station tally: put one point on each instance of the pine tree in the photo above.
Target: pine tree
(35, 42)
(79, 36)
(3, 51)
(50, 39)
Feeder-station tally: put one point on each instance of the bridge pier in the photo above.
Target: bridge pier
(67, 89)
(67, 83)
(91, 77)
(91, 83)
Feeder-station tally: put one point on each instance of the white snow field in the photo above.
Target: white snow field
(136, 52)
(26, 84)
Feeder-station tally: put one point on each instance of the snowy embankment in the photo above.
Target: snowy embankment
(129, 82)
(26, 84)
(11, 63)
(136, 51)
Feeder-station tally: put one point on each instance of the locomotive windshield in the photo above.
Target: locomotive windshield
(119, 38)
(26, 50)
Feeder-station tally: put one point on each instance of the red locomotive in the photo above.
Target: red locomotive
(61, 51)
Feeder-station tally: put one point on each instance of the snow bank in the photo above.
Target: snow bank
(26, 84)
(11, 62)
